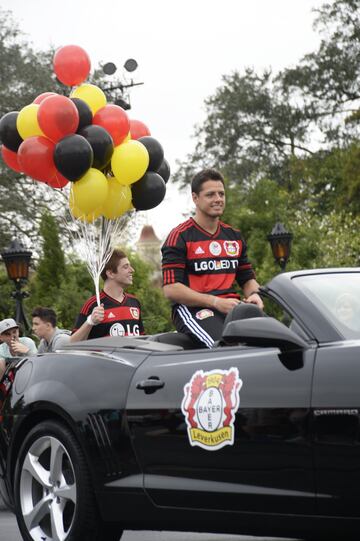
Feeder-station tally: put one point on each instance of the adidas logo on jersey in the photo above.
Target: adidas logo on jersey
(199, 250)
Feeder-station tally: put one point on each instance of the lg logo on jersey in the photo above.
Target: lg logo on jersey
(120, 330)
(216, 265)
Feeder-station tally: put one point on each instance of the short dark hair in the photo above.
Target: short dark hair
(46, 314)
(202, 176)
(113, 262)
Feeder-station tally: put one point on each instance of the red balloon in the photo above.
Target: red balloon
(115, 121)
(138, 129)
(57, 181)
(71, 65)
(11, 159)
(43, 96)
(35, 157)
(58, 116)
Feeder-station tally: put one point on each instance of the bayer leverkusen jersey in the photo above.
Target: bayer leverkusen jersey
(121, 318)
(205, 262)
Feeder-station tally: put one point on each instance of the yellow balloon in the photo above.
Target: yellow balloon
(26, 123)
(77, 213)
(118, 200)
(129, 161)
(91, 94)
(127, 138)
(90, 192)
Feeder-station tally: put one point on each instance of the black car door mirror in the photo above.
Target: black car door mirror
(263, 332)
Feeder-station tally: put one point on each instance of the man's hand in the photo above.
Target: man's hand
(255, 298)
(98, 314)
(224, 305)
(17, 348)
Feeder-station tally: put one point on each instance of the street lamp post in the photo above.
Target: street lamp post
(17, 261)
(280, 242)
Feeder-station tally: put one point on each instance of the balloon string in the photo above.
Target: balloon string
(97, 289)
(95, 241)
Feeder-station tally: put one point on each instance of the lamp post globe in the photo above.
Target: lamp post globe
(280, 241)
(17, 262)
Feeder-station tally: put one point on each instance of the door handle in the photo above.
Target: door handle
(150, 385)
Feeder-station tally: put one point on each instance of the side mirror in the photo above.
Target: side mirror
(263, 332)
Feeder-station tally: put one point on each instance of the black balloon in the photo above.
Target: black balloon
(85, 113)
(101, 142)
(155, 150)
(73, 156)
(148, 192)
(9, 135)
(164, 170)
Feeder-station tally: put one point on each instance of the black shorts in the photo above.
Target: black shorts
(203, 325)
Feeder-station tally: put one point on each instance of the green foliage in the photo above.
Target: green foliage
(63, 286)
(318, 240)
(51, 268)
(24, 74)
(75, 288)
(7, 304)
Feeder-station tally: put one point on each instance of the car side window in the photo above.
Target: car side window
(273, 309)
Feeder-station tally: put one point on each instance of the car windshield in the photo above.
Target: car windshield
(337, 295)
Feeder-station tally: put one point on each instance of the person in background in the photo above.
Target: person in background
(202, 258)
(44, 322)
(119, 313)
(13, 345)
(347, 311)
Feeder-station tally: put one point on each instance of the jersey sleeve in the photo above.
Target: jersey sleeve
(173, 260)
(245, 272)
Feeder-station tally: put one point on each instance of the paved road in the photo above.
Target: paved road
(9, 532)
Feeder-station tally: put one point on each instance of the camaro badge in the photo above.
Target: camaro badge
(210, 402)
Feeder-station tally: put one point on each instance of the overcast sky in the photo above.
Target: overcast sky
(182, 49)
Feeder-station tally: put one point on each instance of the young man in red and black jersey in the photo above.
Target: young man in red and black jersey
(119, 313)
(202, 258)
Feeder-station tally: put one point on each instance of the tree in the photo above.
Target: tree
(258, 125)
(328, 79)
(24, 74)
(51, 267)
(75, 287)
(7, 304)
(252, 128)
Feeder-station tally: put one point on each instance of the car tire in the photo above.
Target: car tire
(54, 498)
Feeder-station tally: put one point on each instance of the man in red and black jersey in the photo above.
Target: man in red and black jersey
(202, 258)
(119, 313)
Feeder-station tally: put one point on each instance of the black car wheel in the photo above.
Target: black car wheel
(54, 499)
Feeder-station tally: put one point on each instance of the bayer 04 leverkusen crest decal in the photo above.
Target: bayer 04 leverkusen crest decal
(211, 400)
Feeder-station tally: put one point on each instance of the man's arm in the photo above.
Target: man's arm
(250, 289)
(96, 317)
(184, 295)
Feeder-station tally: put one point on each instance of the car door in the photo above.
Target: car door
(336, 425)
(241, 443)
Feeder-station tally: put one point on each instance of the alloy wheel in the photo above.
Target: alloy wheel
(48, 490)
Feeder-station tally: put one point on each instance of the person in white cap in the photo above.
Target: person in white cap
(13, 345)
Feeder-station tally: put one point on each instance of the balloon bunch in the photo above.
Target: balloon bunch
(113, 163)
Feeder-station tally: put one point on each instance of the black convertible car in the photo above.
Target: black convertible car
(259, 435)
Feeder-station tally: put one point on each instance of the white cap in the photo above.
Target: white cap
(7, 324)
